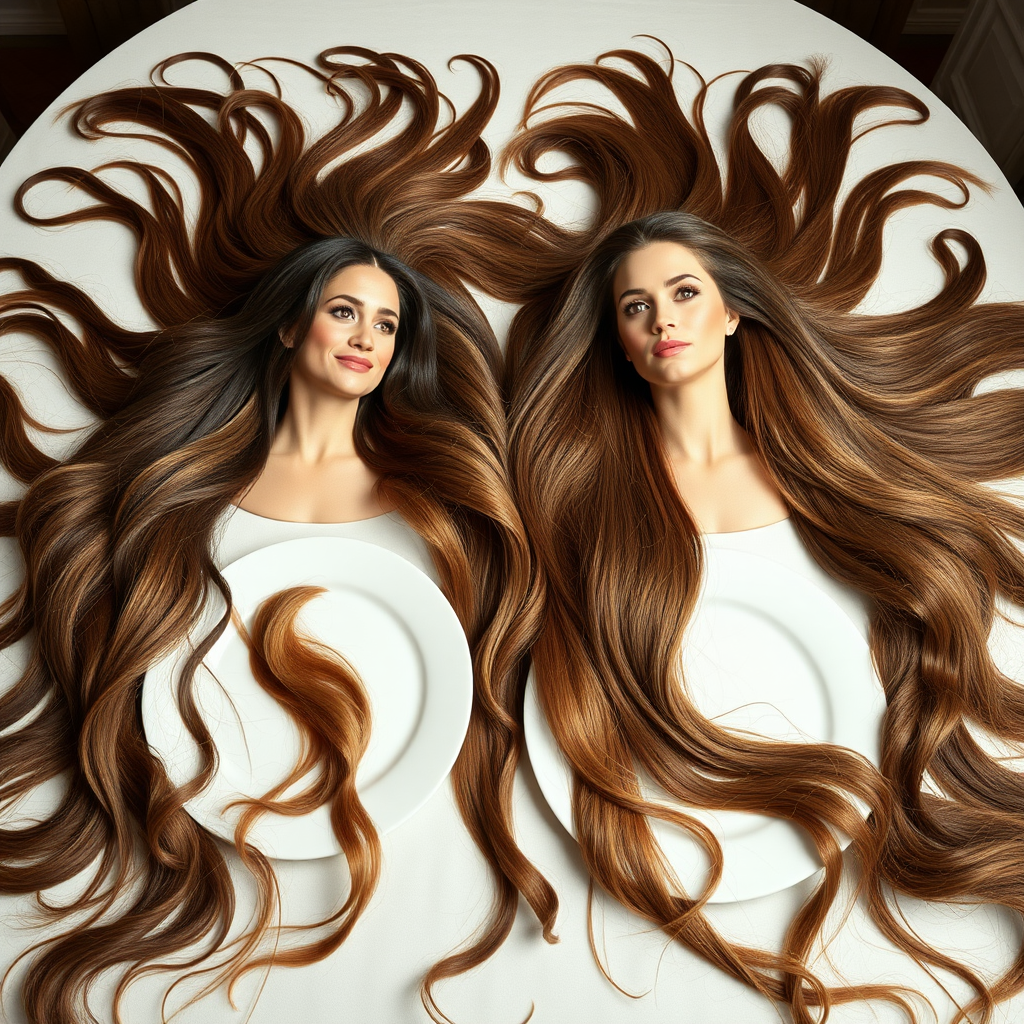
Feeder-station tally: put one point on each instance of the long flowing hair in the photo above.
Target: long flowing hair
(117, 536)
(870, 428)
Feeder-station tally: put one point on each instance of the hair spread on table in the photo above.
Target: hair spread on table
(869, 427)
(117, 536)
(325, 697)
(867, 424)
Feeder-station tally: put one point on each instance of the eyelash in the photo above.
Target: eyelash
(391, 326)
(629, 309)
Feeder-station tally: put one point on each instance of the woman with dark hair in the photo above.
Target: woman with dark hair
(673, 374)
(295, 370)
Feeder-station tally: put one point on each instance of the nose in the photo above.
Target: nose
(664, 318)
(362, 338)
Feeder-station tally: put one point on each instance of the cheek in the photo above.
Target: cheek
(713, 326)
(713, 316)
(633, 341)
(385, 353)
(317, 342)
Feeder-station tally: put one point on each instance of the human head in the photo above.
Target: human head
(672, 322)
(285, 302)
(351, 341)
(747, 288)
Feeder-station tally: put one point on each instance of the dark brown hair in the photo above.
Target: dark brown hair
(869, 427)
(117, 536)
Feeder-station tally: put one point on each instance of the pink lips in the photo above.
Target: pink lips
(669, 347)
(357, 363)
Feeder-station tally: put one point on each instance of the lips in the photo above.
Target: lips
(357, 363)
(669, 347)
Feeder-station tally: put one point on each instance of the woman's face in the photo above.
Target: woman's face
(671, 318)
(352, 338)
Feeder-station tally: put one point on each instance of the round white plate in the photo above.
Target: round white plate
(393, 625)
(770, 653)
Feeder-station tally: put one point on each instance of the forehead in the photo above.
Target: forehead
(656, 263)
(371, 285)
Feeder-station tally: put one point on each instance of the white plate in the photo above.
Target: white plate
(393, 625)
(767, 652)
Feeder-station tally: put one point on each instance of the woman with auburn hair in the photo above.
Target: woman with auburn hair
(705, 369)
(299, 370)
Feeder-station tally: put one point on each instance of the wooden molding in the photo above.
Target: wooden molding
(7, 139)
(982, 79)
(936, 17)
(31, 18)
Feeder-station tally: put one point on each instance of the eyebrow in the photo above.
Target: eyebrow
(361, 304)
(668, 284)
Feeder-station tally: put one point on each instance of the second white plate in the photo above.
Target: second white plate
(768, 653)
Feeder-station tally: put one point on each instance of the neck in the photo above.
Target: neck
(316, 427)
(696, 421)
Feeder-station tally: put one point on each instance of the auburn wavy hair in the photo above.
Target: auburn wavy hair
(118, 535)
(871, 429)
(325, 697)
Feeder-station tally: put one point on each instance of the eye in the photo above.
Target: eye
(343, 312)
(686, 291)
(634, 307)
(388, 326)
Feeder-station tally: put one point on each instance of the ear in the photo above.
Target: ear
(732, 321)
(286, 338)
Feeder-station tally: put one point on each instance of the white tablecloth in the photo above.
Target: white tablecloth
(434, 888)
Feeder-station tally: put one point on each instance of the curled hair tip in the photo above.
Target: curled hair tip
(257, 65)
(669, 55)
(819, 63)
(159, 78)
(482, 64)
(720, 76)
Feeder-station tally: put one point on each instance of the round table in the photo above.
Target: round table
(434, 888)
